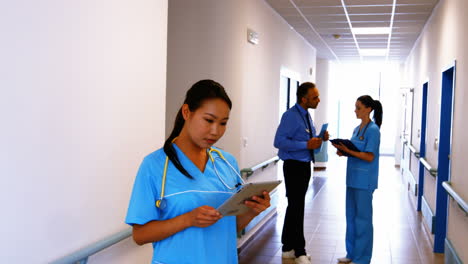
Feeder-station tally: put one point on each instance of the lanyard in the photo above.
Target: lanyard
(306, 121)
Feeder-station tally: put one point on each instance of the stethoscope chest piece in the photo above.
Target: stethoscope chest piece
(161, 204)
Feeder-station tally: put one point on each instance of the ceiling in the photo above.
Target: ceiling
(326, 25)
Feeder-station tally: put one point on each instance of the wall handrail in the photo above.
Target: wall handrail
(414, 151)
(452, 193)
(249, 171)
(81, 255)
(432, 171)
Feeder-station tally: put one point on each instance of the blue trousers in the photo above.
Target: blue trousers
(359, 228)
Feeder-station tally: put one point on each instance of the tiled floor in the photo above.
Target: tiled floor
(399, 237)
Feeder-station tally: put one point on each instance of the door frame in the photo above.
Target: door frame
(444, 152)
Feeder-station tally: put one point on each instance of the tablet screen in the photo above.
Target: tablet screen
(235, 204)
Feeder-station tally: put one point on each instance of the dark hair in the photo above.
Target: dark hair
(303, 89)
(374, 105)
(199, 92)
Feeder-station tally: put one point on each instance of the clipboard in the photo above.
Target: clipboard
(234, 205)
(347, 143)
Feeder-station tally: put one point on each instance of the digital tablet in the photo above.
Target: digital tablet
(235, 204)
(345, 142)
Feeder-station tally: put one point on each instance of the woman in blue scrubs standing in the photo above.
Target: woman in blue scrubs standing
(178, 187)
(361, 180)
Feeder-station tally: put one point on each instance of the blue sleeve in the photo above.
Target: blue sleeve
(284, 138)
(373, 140)
(142, 208)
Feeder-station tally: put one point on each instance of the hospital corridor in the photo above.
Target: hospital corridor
(400, 237)
(127, 126)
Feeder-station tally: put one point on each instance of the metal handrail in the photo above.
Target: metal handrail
(415, 152)
(81, 255)
(428, 167)
(450, 191)
(249, 171)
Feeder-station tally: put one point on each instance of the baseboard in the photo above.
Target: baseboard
(320, 165)
(451, 256)
(428, 216)
(413, 186)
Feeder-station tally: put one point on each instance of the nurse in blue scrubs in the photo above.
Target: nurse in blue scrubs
(178, 187)
(361, 180)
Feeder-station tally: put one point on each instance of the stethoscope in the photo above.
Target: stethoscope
(161, 203)
(363, 133)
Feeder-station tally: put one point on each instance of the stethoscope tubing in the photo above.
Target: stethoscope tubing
(161, 203)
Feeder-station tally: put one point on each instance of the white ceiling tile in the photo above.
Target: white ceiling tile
(305, 3)
(412, 17)
(422, 2)
(369, 9)
(371, 17)
(279, 3)
(368, 2)
(322, 10)
(327, 18)
(414, 8)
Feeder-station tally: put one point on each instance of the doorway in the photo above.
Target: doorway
(443, 160)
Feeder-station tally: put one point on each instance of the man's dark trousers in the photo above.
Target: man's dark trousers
(296, 176)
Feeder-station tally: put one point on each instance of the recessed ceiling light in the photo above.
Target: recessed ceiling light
(370, 30)
(373, 52)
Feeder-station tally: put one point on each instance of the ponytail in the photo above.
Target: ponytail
(375, 105)
(169, 149)
(378, 112)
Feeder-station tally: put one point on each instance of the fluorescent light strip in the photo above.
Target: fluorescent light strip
(351, 28)
(391, 29)
(313, 29)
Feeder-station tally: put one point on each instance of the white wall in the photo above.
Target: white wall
(208, 39)
(443, 40)
(82, 101)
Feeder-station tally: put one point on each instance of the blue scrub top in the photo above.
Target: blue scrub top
(214, 244)
(362, 174)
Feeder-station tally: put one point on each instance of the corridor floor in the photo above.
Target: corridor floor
(399, 235)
